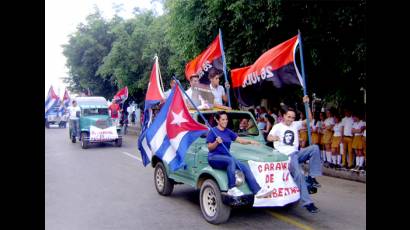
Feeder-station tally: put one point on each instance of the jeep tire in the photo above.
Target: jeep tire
(118, 142)
(163, 184)
(84, 140)
(213, 209)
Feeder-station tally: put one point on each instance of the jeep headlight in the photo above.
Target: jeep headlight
(239, 178)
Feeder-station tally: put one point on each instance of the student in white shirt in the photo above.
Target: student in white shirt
(336, 141)
(347, 137)
(285, 139)
(327, 127)
(357, 144)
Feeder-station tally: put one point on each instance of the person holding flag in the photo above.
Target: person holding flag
(219, 157)
(51, 100)
(277, 68)
(171, 133)
(64, 103)
(285, 139)
(154, 96)
(211, 59)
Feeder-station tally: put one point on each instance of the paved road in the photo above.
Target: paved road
(107, 187)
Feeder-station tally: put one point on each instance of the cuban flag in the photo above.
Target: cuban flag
(52, 100)
(155, 94)
(65, 104)
(121, 96)
(172, 132)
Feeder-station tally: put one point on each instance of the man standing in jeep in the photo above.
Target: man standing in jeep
(286, 140)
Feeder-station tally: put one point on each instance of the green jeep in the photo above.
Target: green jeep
(213, 184)
(94, 112)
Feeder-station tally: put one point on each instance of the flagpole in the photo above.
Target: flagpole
(203, 118)
(224, 66)
(304, 85)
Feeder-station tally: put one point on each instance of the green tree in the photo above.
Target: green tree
(85, 51)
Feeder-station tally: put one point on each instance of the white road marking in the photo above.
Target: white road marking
(132, 156)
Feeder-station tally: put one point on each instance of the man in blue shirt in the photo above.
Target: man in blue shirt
(219, 158)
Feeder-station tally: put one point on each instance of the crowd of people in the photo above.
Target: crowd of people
(340, 137)
(342, 140)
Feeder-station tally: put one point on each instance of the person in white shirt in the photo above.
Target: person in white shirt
(357, 144)
(327, 127)
(217, 90)
(193, 80)
(314, 125)
(347, 136)
(285, 139)
(168, 92)
(74, 113)
(336, 141)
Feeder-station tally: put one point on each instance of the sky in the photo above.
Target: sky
(61, 20)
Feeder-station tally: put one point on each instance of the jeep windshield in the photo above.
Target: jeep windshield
(241, 123)
(95, 111)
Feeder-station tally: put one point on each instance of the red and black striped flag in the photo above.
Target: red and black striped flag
(208, 59)
(274, 68)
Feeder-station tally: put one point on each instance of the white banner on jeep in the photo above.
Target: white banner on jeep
(108, 134)
(274, 175)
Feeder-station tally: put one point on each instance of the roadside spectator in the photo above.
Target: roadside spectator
(124, 121)
(357, 145)
(269, 124)
(303, 133)
(327, 127)
(322, 146)
(315, 129)
(114, 110)
(280, 116)
(336, 141)
(347, 122)
(364, 147)
(273, 113)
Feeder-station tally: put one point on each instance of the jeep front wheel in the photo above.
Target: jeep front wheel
(213, 209)
(163, 184)
(84, 140)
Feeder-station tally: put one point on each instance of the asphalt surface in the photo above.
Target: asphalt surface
(107, 187)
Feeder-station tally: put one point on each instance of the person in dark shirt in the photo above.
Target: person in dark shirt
(219, 158)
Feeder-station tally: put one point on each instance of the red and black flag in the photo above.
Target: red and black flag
(208, 59)
(275, 68)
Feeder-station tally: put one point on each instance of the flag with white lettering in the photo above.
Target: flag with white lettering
(273, 69)
(204, 62)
